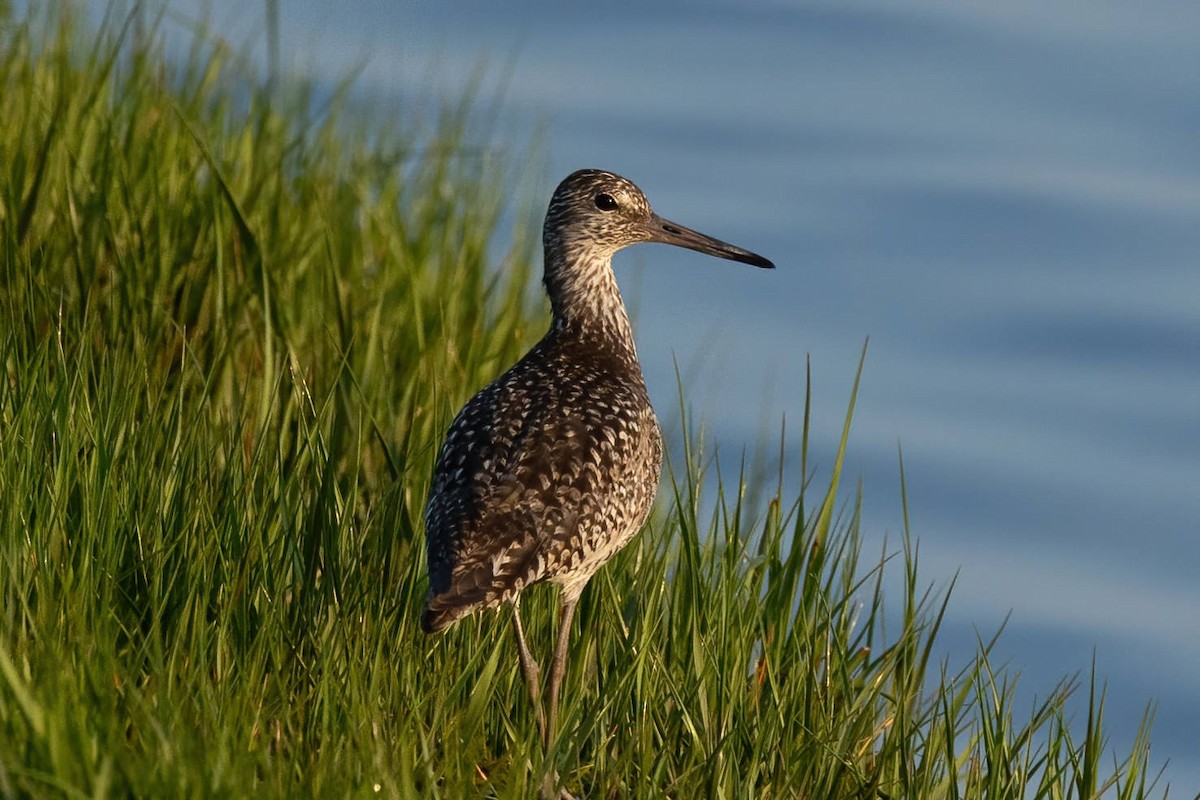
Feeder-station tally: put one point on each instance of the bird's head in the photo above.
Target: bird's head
(594, 213)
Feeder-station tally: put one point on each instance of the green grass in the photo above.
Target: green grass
(234, 322)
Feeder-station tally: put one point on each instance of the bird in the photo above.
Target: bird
(550, 470)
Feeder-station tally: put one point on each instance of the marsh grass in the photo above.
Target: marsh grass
(235, 319)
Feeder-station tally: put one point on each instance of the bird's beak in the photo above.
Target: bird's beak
(667, 232)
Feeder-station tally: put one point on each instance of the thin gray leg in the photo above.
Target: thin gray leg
(559, 666)
(530, 669)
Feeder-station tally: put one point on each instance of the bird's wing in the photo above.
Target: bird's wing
(510, 481)
(523, 463)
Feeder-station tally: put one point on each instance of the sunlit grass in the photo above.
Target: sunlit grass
(234, 322)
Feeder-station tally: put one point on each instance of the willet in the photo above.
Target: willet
(550, 470)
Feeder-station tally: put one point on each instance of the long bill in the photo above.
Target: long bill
(668, 232)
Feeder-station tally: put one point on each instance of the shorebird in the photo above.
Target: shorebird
(551, 469)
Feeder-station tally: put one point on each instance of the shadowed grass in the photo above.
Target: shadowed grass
(233, 326)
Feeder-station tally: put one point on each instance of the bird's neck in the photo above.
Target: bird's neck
(586, 301)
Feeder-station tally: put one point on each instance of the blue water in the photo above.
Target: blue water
(1005, 197)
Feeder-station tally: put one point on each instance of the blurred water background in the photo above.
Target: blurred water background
(1005, 197)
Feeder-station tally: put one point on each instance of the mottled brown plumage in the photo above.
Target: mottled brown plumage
(550, 470)
(544, 475)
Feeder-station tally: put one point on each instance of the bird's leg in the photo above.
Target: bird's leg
(559, 665)
(530, 669)
(557, 668)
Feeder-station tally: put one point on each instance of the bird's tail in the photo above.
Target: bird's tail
(435, 621)
(442, 611)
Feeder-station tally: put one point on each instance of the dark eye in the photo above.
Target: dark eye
(606, 202)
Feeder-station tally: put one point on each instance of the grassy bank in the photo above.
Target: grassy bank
(234, 321)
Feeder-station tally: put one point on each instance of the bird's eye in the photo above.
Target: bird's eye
(606, 202)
